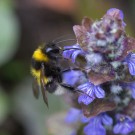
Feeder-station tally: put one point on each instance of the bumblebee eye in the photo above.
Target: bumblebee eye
(51, 48)
(48, 50)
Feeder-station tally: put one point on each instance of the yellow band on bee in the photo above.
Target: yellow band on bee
(36, 74)
(40, 56)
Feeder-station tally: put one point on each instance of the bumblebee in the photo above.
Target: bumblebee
(51, 72)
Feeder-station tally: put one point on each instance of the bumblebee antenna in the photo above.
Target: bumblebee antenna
(61, 37)
(65, 40)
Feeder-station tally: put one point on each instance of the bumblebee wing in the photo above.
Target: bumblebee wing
(43, 85)
(35, 88)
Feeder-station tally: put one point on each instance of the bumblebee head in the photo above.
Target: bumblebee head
(52, 48)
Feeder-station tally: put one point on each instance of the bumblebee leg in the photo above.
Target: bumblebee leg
(43, 86)
(70, 68)
(66, 85)
(81, 92)
(74, 89)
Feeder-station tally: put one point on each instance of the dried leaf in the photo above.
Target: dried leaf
(81, 31)
(130, 109)
(87, 22)
(128, 77)
(98, 78)
(98, 106)
(129, 43)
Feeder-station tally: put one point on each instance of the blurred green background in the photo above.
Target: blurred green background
(23, 25)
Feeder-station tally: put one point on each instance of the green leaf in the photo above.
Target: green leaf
(9, 32)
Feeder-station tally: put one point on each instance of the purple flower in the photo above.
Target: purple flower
(91, 91)
(73, 115)
(106, 119)
(96, 124)
(94, 128)
(130, 60)
(71, 77)
(71, 52)
(85, 99)
(116, 13)
(124, 125)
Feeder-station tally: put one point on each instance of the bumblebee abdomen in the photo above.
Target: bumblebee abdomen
(38, 58)
(36, 74)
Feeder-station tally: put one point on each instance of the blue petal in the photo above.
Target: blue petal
(71, 52)
(76, 46)
(131, 66)
(123, 128)
(88, 88)
(71, 77)
(99, 92)
(94, 128)
(132, 55)
(85, 86)
(73, 116)
(67, 54)
(75, 54)
(130, 59)
(91, 90)
(131, 86)
(85, 99)
(133, 93)
(118, 128)
(128, 127)
(107, 120)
